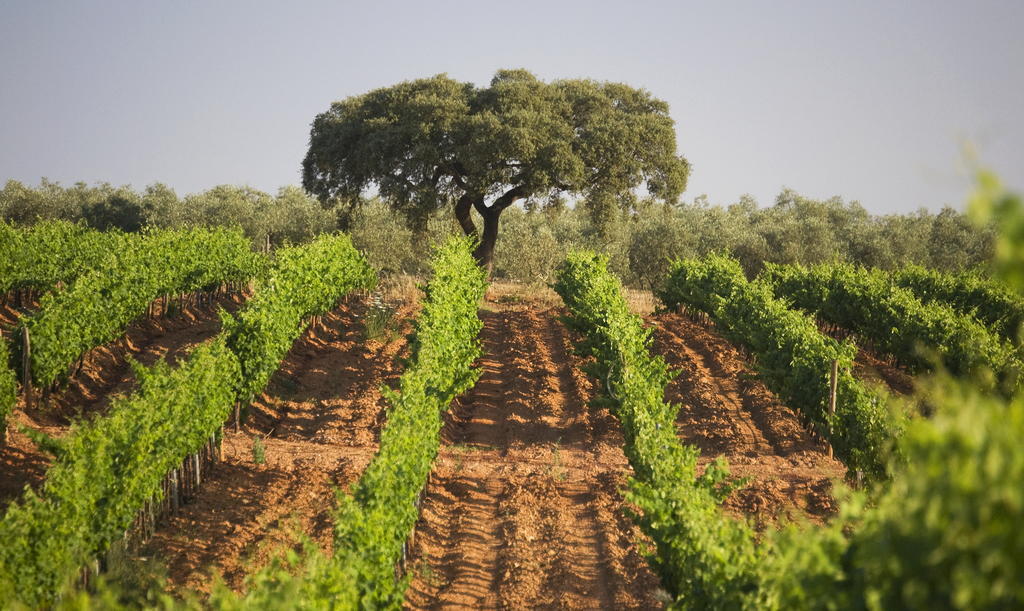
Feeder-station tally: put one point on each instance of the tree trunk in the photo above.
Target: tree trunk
(484, 252)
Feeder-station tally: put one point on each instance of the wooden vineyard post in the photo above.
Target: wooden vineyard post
(186, 481)
(26, 366)
(174, 491)
(195, 462)
(3, 432)
(832, 402)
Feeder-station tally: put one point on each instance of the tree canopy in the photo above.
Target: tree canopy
(436, 142)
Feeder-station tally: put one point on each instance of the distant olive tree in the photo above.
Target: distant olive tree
(295, 217)
(534, 237)
(657, 240)
(954, 243)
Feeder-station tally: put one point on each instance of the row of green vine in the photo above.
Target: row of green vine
(989, 301)
(49, 253)
(97, 306)
(941, 533)
(8, 388)
(700, 555)
(792, 356)
(892, 318)
(374, 520)
(106, 469)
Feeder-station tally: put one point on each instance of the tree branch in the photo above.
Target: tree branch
(462, 215)
(455, 170)
(510, 197)
(438, 173)
(459, 178)
(504, 201)
(478, 203)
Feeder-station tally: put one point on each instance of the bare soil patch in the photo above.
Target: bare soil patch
(524, 508)
(874, 369)
(726, 411)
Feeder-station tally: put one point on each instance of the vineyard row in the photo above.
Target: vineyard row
(374, 521)
(793, 358)
(940, 533)
(108, 469)
(870, 304)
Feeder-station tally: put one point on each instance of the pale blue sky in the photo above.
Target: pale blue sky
(868, 100)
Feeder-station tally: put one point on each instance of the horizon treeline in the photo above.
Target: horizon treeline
(532, 241)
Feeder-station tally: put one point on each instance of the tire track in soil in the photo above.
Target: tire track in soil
(105, 374)
(523, 509)
(319, 423)
(726, 411)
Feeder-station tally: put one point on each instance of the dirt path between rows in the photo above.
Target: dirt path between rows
(105, 374)
(524, 507)
(872, 366)
(726, 411)
(319, 423)
(874, 369)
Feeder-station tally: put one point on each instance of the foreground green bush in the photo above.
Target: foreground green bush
(947, 533)
(943, 535)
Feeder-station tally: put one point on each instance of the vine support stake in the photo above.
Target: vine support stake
(26, 366)
(174, 491)
(832, 401)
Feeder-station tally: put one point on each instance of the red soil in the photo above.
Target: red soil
(524, 508)
(319, 423)
(726, 411)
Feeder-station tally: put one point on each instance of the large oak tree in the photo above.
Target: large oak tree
(435, 142)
